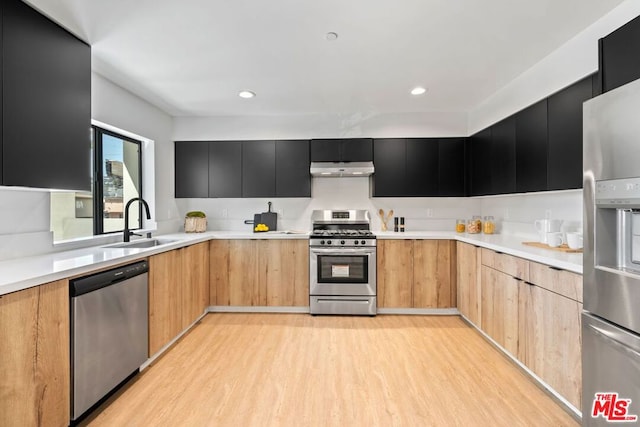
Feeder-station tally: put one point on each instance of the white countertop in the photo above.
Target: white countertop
(507, 244)
(26, 272)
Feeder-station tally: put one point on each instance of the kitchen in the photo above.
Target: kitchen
(25, 214)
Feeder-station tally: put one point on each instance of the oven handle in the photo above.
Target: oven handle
(343, 251)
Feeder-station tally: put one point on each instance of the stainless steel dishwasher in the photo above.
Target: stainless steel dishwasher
(109, 332)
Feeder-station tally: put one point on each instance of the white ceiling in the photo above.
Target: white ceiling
(192, 57)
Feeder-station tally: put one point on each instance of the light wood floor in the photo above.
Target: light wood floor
(300, 370)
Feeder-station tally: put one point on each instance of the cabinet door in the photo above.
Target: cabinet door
(192, 169)
(395, 273)
(284, 269)
(46, 97)
(565, 136)
(531, 148)
(620, 63)
(292, 169)
(551, 340)
(356, 150)
(195, 288)
(245, 286)
(389, 158)
(225, 169)
(451, 167)
(219, 259)
(34, 361)
(503, 156)
(499, 306)
(468, 281)
(434, 274)
(165, 299)
(421, 177)
(481, 163)
(325, 150)
(258, 169)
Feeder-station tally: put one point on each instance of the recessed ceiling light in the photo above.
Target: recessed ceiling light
(418, 90)
(331, 36)
(246, 94)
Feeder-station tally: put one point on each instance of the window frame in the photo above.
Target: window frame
(98, 193)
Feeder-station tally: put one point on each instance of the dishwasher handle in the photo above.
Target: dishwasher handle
(86, 284)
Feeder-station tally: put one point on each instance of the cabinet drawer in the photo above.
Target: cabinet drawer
(513, 266)
(562, 282)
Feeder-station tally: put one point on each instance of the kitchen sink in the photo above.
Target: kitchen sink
(142, 243)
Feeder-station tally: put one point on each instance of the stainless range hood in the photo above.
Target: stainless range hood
(341, 169)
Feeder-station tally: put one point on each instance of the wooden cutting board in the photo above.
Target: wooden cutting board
(561, 248)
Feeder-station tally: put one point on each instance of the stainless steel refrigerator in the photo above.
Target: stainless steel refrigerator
(611, 317)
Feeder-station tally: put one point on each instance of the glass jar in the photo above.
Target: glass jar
(489, 225)
(474, 225)
(460, 225)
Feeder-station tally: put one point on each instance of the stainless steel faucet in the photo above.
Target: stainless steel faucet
(127, 233)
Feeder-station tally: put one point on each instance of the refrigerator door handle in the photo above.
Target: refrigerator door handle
(616, 340)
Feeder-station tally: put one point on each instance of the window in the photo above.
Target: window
(117, 178)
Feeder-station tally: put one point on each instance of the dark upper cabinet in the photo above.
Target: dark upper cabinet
(389, 159)
(451, 167)
(531, 148)
(619, 58)
(503, 156)
(564, 169)
(258, 168)
(421, 172)
(192, 169)
(292, 169)
(480, 148)
(225, 169)
(342, 150)
(46, 99)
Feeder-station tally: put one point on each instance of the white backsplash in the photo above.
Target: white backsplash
(514, 214)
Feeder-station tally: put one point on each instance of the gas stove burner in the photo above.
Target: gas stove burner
(342, 233)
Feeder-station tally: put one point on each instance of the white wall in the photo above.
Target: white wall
(113, 105)
(320, 126)
(571, 62)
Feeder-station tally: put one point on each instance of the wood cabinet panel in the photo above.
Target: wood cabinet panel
(195, 285)
(468, 281)
(550, 339)
(284, 269)
(559, 281)
(244, 287)
(219, 251)
(395, 273)
(499, 306)
(434, 275)
(165, 299)
(508, 264)
(34, 362)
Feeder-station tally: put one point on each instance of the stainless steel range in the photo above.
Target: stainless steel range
(342, 265)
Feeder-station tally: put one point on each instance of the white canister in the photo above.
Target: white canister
(544, 226)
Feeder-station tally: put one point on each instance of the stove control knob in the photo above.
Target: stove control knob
(322, 242)
(356, 242)
(363, 242)
(342, 242)
(328, 242)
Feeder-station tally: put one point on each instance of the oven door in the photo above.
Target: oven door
(342, 271)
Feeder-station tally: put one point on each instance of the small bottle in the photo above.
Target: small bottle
(460, 226)
(489, 225)
(474, 226)
(402, 224)
(395, 224)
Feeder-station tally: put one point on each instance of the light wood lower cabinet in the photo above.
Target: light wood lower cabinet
(416, 273)
(468, 281)
(550, 334)
(34, 356)
(499, 308)
(249, 272)
(178, 292)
